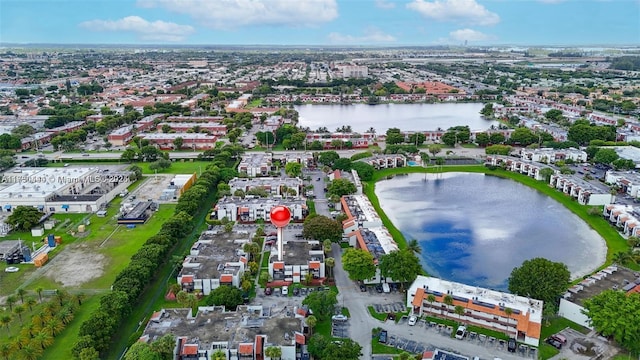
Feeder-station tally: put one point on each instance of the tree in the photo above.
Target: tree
(10, 301)
(496, 138)
(322, 227)
(219, 355)
(164, 346)
(343, 164)
(611, 313)
(431, 299)
(459, 310)
(39, 290)
(5, 320)
(19, 310)
(308, 278)
(178, 142)
(487, 110)
(605, 156)
(228, 296)
(21, 293)
(23, 218)
(434, 149)
(341, 187)
(359, 264)
(508, 311)
(141, 351)
(31, 301)
(274, 352)
(414, 247)
(293, 169)
(448, 300)
(43, 339)
(322, 303)
(540, 279)
(482, 139)
(129, 155)
(546, 173)
(346, 349)
(328, 157)
(311, 321)
(330, 263)
(400, 265)
(89, 353)
(522, 136)
(364, 170)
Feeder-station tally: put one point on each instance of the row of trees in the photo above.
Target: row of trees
(97, 332)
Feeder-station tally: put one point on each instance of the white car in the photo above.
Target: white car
(461, 332)
(339, 318)
(285, 290)
(413, 320)
(12, 269)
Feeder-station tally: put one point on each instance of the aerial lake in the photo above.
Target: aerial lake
(406, 117)
(475, 228)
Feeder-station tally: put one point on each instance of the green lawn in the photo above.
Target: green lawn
(178, 167)
(61, 348)
(376, 315)
(378, 348)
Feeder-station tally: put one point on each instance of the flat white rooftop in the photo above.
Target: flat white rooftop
(39, 182)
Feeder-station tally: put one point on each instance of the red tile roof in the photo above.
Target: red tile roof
(300, 338)
(278, 265)
(245, 349)
(187, 279)
(189, 349)
(314, 265)
(226, 278)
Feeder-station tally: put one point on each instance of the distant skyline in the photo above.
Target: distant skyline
(321, 22)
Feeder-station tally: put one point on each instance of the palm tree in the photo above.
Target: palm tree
(330, 263)
(621, 257)
(28, 330)
(327, 246)
(633, 241)
(308, 278)
(448, 300)
(5, 320)
(431, 299)
(53, 326)
(459, 310)
(11, 300)
(21, 293)
(19, 310)
(182, 297)
(65, 315)
(6, 351)
(219, 355)
(80, 297)
(31, 301)
(414, 246)
(508, 311)
(312, 321)
(274, 352)
(30, 351)
(39, 290)
(43, 339)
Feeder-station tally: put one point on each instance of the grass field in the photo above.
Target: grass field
(178, 167)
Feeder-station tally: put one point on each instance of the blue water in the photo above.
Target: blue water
(412, 163)
(475, 229)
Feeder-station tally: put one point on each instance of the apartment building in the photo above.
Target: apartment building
(215, 259)
(624, 217)
(194, 141)
(253, 165)
(550, 156)
(250, 208)
(627, 181)
(613, 277)
(271, 185)
(386, 161)
(483, 307)
(584, 192)
(299, 259)
(241, 334)
(526, 167)
(212, 128)
(304, 158)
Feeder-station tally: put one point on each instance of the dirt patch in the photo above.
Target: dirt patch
(74, 267)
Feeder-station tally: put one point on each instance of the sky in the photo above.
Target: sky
(322, 22)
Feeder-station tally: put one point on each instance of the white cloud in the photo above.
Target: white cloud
(145, 30)
(371, 35)
(229, 14)
(461, 11)
(468, 35)
(383, 4)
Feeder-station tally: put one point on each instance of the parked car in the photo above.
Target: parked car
(296, 291)
(11, 269)
(461, 332)
(268, 291)
(379, 288)
(363, 288)
(269, 243)
(382, 337)
(560, 338)
(553, 342)
(412, 320)
(512, 345)
(285, 290)
(339, 317)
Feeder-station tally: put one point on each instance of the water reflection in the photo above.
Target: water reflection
(475, 228)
